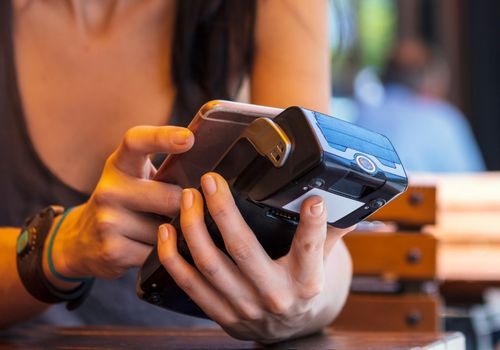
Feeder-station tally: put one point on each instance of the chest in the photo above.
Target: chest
(81, 94)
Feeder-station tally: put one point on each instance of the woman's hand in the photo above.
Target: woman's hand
(256, 297)
(110, 233)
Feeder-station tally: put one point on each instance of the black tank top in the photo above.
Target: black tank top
(27, 185)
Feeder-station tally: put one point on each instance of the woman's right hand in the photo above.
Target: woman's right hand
(110, 233)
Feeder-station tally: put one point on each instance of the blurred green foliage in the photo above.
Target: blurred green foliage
(376, 30)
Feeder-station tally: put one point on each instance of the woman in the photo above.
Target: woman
(75, 76)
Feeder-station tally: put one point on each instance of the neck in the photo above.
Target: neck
(93, 19)
(93, 16)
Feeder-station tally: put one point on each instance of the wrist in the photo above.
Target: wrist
(60, 261)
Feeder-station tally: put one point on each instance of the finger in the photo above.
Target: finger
(134, 226)
(140, 227)
(190, 280)
(239, 239)
(118, 254)
(112, 223)
(134, 253)
(146, 196)
(156, 197)
(306, 253)
(132, 155)
(217, 268)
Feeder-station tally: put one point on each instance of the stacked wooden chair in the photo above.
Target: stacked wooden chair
(394, 286)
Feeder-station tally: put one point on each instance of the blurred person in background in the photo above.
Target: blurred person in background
(429, 133)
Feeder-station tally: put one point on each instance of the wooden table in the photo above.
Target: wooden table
(147, 338)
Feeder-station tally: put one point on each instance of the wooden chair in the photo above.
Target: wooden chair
(394, 285)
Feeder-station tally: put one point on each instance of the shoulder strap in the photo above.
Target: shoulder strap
(5, 41)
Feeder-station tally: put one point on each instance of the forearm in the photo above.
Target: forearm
(16, 304)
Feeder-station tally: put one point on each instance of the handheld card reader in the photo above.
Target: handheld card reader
(271, 168)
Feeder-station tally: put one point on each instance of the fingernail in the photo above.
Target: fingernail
(163, 233)
(317, 209)
(187, 199)
(181, 137)
(209, 184)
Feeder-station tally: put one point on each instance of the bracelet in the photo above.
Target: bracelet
(49, 254)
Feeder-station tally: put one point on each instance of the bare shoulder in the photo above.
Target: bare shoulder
(292, 57)
(292, 20)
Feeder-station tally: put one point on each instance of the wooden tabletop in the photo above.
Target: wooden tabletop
(147, 338)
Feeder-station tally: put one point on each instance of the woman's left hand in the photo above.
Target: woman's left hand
(256, 297)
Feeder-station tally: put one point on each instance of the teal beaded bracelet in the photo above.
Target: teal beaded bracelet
(49, 254)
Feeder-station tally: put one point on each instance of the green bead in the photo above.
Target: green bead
(22, 241)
